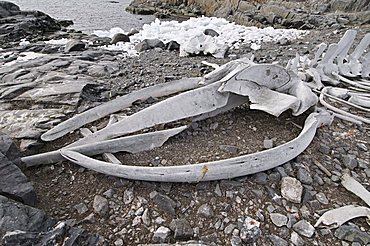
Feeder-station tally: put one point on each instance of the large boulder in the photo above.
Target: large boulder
(350, 5)
(8, 9)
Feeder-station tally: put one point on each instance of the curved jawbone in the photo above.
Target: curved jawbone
(214, 170)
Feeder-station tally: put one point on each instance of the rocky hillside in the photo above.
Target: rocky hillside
(289, 13)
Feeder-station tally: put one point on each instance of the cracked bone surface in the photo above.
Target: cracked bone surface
(215, 170)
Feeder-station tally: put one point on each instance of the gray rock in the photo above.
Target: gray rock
(109, 193)
(165, 203)
(292, 219)
(181, 229)
(132, 32)
(296, 239)
(268, 143)
(14, 183)
(147, 44)
(119, 242)
(211, 32)
(278, 219)
(322, 198)
(161, 234)
(120, 37)
(100, 205)
(81, 208)
(352, 233)
(350, 161)
(75, 45)
(304, 176)
(128, 195)
(260, 178)
(304, 228)
(325, 149)
(9, 149)
(140, 47)
(250, 230)
(205, 211)
(172, 45)
(277, 241)
(229, 229)
(145, 217)
(291, 189)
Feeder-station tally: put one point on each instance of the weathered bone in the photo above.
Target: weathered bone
(131, 144)
(223, 169)
(341, 215)
(118, 104)
(356, 188)
(354, 63)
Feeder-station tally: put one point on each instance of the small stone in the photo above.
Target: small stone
(324, 149)
(304, 176)
(211, 32)
(205, 211)
(172, 45)
(218, 190)
(120, 37)
(296, 239)
(229, 148)
(145, 217)
(132, 32)
(229, 229)
(277, 241)
(260, 178)
(100, 205)
(268, 143)
(278, 219)
(304, 228)
(81, 208)
(362, 147)
(350, 161)
(181, 229)
(165, 203)
(109, 193)
(352, 233)
(291, 189)
(128, 195)
(118, 242)
(161, 234)
(322, 198)
(250, 231)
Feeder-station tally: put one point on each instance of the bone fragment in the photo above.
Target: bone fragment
(356, 188)
(131, 144)
(118, 104)
(322, 168)
(187, 104)
(354, 63)
(359, 100)
(341, 215)
(215, 170)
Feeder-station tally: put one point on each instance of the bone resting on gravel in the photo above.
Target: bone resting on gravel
(223, 169)
(356, 188)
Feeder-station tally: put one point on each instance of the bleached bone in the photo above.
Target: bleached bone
(321, 48)
(131, 144)
(356, 188)
(341, 215)
(361, 101)
(187, 104)
(118, 104)
(340, 111)
(353, 60)
(346, 43)
(215, 170)
(326, 67)
(365, 73)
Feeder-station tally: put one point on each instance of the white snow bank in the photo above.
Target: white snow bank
(231, 34)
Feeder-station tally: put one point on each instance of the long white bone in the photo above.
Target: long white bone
(215, 170)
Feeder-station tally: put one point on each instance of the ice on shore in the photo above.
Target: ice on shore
(230, 33)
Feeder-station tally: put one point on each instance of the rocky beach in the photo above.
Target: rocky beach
(49, 73)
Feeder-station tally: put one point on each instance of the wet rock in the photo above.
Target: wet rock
(165, 203)
(278, 219)
(100, 205)
(172, 45)
(304, 228)
(205, 211)
(13, 183)
(120, 37)
(211, 32)
(181, 229)
(352, 233)
(277, 241)
(161, 234)
(147, 44)
(291, 189)
(304, 176)
(74, 45)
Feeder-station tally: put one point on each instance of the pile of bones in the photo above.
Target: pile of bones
(331, 74)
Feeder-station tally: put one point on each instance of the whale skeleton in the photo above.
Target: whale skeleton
(333, 75)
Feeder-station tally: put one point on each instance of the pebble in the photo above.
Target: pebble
(268, 143)
(296, 239)
(352, 233)
(260, 178)
(181, 228)
(81, 208)
(128, 195)
(350, 161)
(322, 198)
(100, 205)
(161, 234)
(118, 242)
(277, 241)
(291, 189)
(229, 149)
(205, 211)
(304, 228)
(165, 203)
(304, 176)
(278, 219)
